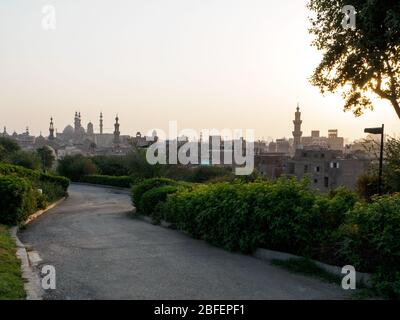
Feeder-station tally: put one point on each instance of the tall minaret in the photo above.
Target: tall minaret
(101, 122)
(51, 129)
(76, 121)
(297, 128)
(116, 131)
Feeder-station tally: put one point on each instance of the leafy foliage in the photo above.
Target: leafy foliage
(27, 159)
(46, 156)
(19, 194)
(363, 61)
(17, 201)
(7, 147)
(76, 167)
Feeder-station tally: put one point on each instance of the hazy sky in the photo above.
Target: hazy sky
(205, 63)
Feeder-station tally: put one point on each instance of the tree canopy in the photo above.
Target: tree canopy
(362, 62)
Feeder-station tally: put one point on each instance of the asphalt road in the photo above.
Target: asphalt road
(100, 252)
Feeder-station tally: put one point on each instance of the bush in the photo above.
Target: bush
(7, 147)
(140, 189)
(27, 159)
(285, 215)
(115, 181)
(152, 202)
(111, 165)
(76, 167)
(9, 169)
(18, 199)
(53, 187)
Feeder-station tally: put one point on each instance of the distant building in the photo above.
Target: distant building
(270, 165)
(76, 140)
(327, 169)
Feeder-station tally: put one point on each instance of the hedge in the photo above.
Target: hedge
(115, 181)
(286, 215)
(19, 194)
(34, 175)
(140, 189)
(18, 199)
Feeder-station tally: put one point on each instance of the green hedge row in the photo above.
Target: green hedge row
(149, 193)
(114, 181)
(33, 175)
(286, 215)
(18, 199)
(20, 195)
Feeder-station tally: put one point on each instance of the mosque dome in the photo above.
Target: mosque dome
(68, 130)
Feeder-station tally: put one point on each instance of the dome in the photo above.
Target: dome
(80, 131)
(68, 130)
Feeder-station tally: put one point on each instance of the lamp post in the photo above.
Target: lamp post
(379, 130)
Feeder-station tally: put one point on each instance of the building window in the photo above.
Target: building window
(326, 182)
(335, 165)
(315, 181)
(317, 169)
(306, 168)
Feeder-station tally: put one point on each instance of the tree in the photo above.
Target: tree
(7, 147)
(392, 165)
(27, 159)
(46, 156)
(362, 62)
(75, 167)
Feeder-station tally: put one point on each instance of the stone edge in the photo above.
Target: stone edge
(270, 255)
(32, 281)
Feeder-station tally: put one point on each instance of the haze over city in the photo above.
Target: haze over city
(205, 63)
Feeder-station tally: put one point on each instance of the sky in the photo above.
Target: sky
(238, 64)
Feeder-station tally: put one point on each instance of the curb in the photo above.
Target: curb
(269, 255)
(32, 281)
(37, 214)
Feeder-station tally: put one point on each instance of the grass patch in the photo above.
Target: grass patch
(307, 268)
(11, 283)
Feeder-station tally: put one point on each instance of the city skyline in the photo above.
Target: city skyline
(235, 71)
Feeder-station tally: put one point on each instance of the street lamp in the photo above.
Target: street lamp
(379, 130)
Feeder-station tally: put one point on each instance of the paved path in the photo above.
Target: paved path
(99, 252)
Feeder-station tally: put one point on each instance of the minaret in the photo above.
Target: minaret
(297, 128)
(76, 122)
(51, 129)
(101, 122)
(116, 131)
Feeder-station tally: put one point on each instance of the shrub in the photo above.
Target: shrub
(115, 181)
(17, 199)
(371, 241)
(76, 167)
(53, 187)
(55, 180)
(7, 147)
(152, 200)
(9, 169)
(140, 189)
(111, 165)
(27, 159)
